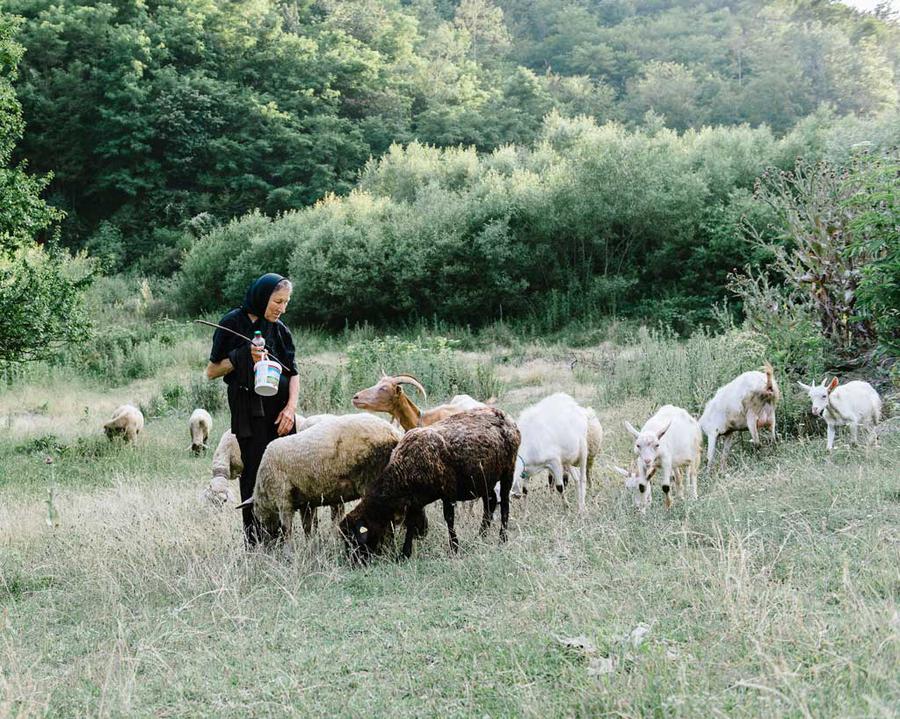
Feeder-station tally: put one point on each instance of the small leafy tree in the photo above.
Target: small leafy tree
(39, 290)
(816, 248)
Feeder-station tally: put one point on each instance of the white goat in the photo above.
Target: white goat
(746, 403)
(669, 442)
(199, 425)
(127, 421)
(554, 434)
(855, 403)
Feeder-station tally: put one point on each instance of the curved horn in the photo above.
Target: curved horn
(409, 379)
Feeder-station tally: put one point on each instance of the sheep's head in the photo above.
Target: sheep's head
(384, 394)
(638, 486)
(217, 493)
(197, 447)
(818, 394)
(646, 447)
(362, 536)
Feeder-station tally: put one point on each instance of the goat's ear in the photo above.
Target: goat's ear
(833, 384)
(624, 472)
(805, 387)
(663, 430)
(632, 429)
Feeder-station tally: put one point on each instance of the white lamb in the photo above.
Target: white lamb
(668, 442)
(554, 434)
(855, 403)
(199, 425)
(746, 403)
(127, 421)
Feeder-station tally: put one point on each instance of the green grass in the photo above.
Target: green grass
(775, 594)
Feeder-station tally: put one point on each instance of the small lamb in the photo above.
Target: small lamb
(127, 421)
(669, 441)
(199, 425)
(855, 403)
(746, 403)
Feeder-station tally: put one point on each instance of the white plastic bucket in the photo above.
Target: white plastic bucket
(267, 374)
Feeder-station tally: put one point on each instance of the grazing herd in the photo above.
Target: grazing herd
(469, 450)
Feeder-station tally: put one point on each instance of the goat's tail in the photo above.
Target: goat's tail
(770, 376)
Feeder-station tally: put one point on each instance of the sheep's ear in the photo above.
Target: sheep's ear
(663, 431)
(246, 503)
(805, 387)
(833, 384)
(632, 429)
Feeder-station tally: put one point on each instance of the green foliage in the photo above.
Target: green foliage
(152, 114)
(590, 221)
(184, 399)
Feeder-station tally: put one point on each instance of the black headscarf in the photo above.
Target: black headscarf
(258, 293)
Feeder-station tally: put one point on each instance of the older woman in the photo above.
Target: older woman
(256, 420)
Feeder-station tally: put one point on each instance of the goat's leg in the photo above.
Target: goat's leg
(666, 484)
(726, 448)
(830, 444)
(337, 513)
(854, 433)
(753, 427)
(774, 436)
(449, 518)
(710, 449)
(556, 471)
(582, 479)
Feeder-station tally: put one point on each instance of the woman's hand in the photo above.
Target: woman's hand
(285, 419)
(257, 354)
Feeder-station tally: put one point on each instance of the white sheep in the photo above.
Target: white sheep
(855, 403)
(668, 442)
(554, 435)
(199, 425)
(746, 403)
(328, 463)
(127, 421)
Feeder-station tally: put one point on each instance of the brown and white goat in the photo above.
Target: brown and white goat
(387, 395)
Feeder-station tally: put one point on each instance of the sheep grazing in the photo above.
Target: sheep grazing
(855, 403)
(127, 421)
(669, 441)
(554, 435)
(387, 395)
(199, 425)
(226, 465)
(746, 403)
(457, 459)
(328, 463)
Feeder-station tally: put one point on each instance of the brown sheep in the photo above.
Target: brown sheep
(457, 459)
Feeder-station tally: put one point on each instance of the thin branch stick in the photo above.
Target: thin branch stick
(243, 337)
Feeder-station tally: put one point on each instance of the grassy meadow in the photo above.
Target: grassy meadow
(773, 595)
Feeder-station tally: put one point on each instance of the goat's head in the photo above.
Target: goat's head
(646, 446)
(384, 394)
(638, 485)
(818, 394)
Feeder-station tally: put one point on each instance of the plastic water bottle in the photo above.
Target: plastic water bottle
(258, 341)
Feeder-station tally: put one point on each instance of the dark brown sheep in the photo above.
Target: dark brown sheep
(457, 459)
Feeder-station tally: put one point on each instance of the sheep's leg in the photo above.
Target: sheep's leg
(505, 484)
(286, 520)
(830, 444)
(490, 505)
(556, 471)
(581, 479)
(413, 521)
(310, 519)
(692, 477)
(449, 518)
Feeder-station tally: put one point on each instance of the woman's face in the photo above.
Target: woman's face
(278, 303)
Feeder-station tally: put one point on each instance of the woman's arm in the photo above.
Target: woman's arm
(214, 370)
(286, 418)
